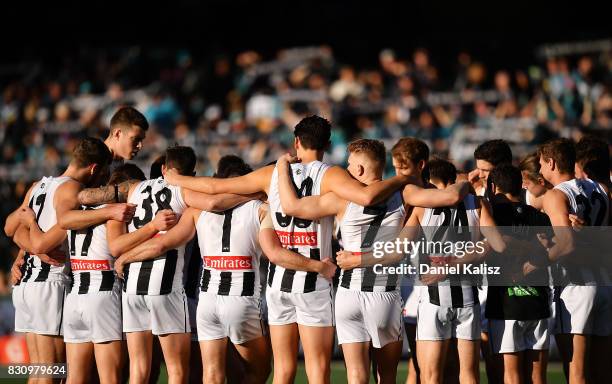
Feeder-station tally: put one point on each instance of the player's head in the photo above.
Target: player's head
(507, 180)
(592, 159)
(181, 158)
(232, 166)
(156, 167)
(533, 181)
(491, 154)
(409, 156)
(557, 157)
(125, 172)
(91, 159)
(128, 128)
(442, 173)
(366, 160)
(312, 133)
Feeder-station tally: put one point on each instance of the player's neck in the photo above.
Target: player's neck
(110, 144)
(371, 179)
(309, 155)
(559, 178)
(75, 173)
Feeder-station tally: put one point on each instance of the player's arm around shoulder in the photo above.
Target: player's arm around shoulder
(418, 196)
(107, 194)
(555, 205)
(13, 220)
(488, 228)
(216, 203)
(256, 181)
(346, 187)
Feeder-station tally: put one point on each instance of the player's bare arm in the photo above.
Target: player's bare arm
(349, 260)
(178, 235)
(80, 219)
(256, 181)
(555, 206)
(106, 194)
(340, 182)
(121, 241)
(417, 196)
(13, 220)
(277, 254)
(216, 203)
(307, 207)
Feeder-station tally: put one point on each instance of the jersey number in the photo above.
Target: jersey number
(285, 220)
(162, 200)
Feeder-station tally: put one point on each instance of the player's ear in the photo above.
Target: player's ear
(360, 170)
(116, 133)
(93, 168)
(163, 169)
(296, 143)
(421, 165)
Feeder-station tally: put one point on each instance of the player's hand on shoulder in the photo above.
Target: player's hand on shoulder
(123, 212)
(164, 220)
(287, 159)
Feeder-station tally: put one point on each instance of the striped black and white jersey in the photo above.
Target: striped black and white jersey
(91, 262)
(451, 224)
(229, 245)
(310, 238)
(41, 202)
(361, 227)
(164, 274)
(589, 201)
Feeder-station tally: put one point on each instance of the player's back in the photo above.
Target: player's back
(452, 224)
(164, 274)
(91, 262)
(311, 238)
(41, 202)
(361, 227)
(230, 249)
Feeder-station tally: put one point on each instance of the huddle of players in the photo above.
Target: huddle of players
(144, 241)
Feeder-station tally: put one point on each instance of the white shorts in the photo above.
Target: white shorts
(39, 307)
(509, 336)
(236, 317)
(436, 323)
(368, 316)
(160, 314)
(315, 309)
(93, 317)
(583, 310)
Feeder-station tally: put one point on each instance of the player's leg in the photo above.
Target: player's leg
(255, 355)
(157, 357)
(357, 361)
(109, 361)
(214, 354)
(318, 344)
(513, 367)
(79, 359)
(431, 359)
(140, 347)
(234, 368)
(413, 363)
(388, 358)
(535, 365)
(469, 355)
(176, 348)
(285, 339)
(573, 350)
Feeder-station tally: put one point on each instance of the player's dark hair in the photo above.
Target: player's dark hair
(314, 133)
(562, 151)
(231, 166)
(508, 179)
(410, 149)
(127, 117)
(125, 172)
(183, 159)
(156, 167)
(593, 156)
(495, 152)
(442, 170)
(374, 149)
(91, 151)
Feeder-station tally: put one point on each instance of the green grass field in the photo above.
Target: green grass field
(555, 374)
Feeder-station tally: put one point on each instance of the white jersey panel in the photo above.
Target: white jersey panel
(229, 245)
(310, 238)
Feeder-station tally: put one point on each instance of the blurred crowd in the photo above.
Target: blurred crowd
(247, 104)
